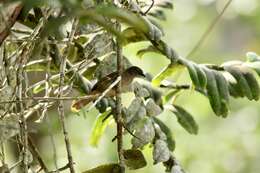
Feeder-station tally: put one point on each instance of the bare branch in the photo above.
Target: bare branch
(119, 119)
(11, 21)
(61, 104)
(208, 31)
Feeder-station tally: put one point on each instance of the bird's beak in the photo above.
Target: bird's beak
(142, 75)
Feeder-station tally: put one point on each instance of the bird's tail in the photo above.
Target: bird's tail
(79, 104)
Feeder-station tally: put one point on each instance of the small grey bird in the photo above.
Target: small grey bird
(126, 79)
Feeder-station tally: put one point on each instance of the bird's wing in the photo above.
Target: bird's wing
(104, 82)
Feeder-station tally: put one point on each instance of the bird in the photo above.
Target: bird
(127, 77)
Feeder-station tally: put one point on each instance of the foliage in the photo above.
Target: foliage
(74, 42)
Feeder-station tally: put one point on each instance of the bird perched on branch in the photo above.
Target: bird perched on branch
(104, 83)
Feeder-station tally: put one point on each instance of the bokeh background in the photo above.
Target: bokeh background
(230, 145)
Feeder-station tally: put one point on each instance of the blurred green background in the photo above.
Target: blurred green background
(230, 145)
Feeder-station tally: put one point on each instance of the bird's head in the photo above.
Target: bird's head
(135, 71)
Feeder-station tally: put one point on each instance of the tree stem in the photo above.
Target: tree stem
(119, 119)
(61, 104)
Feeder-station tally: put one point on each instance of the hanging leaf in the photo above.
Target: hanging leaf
(99, 128)
(140, 91)
(254, 66)
(131, 35)
(241, 75)
(134, 159)
(108, 168)
(223, 92)
(167, 132)
(167, 4)
(161, 152)
(145, 133)
(152, 108)
(133, 109)
(170, 95)
(166, 72)
(185, 119)
(197, 74)
(213, 92)
(150, 49)
(158, 14)
(253, 84)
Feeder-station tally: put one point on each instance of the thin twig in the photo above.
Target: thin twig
(24, 132)
(61, 169)
(209, 30)
(36, 154)
(11, 21)
(150, 7)
(60, 94)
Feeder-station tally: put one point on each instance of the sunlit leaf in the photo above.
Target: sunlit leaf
(131, 35)
(166, 72)
(150, 49)
(99, 128)
(252, 57)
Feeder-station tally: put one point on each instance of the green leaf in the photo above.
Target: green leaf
(134, 108)
(185, 119)
(107, 168)
(201, 76)
(145, 133)
(134, 159)
(169, 96)
(239, 74)
(99, 128)
(252, 57)
(152, 108)
(131, 35)
(161, 152)
(213, 92)
(166, 72)
(53, 27)
(140, 91)
(132, 19)
(167, 4)
(150, 49)
(253, 65)
(167, 132)
(41, 87)
(193, 73)
(253, 84)
(223, 92)
(158, 14)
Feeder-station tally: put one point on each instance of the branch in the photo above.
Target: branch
(36, 154)
(61, 104)
(11, 21)
(119, 119)
(208, 31)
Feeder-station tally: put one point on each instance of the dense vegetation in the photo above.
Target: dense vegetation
(69, 44)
